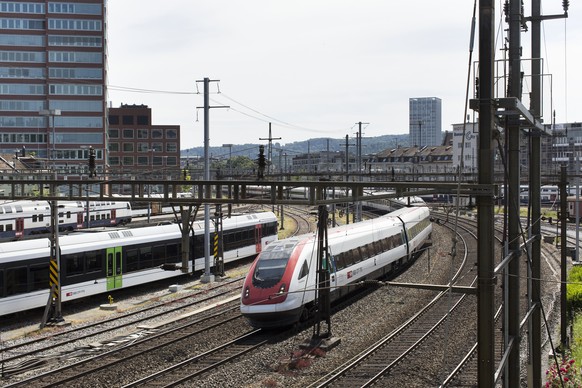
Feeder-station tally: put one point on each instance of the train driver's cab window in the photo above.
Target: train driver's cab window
(304, 270)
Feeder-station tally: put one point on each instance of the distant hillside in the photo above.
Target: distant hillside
(370, 145)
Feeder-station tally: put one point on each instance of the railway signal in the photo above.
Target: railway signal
(92, 166)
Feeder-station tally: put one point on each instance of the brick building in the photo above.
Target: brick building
(139, 149)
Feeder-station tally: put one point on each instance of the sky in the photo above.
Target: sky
(315, 68)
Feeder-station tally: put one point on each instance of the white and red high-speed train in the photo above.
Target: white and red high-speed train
(279, 289)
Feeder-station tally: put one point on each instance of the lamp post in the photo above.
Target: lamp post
(51, 113)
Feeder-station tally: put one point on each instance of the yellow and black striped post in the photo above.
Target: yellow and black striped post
(54, 300)
(54, 278)
(217, 243)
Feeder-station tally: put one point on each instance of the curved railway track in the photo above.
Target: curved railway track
(378, 360)
(201, 363)
(17, 361)
(465, 373)
(107, 363)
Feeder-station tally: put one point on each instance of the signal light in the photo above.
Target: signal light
(92, 165)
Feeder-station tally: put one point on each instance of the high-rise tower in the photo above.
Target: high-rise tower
(52, 81)
(424, 123)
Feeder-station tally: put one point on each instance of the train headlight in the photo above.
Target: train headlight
(282, 289)
(247, 292)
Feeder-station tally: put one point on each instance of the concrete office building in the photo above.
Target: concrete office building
(424, 123)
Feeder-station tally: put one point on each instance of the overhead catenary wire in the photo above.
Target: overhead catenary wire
(267, 118)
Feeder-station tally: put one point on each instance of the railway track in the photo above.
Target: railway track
(152, 341)
(201, 363)
(378, 360)
(466, 371)
(16, 360)
(303, 220)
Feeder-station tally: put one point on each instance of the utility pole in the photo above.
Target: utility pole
(358, 205)
(512, 373)
(485, 216)
(207, 277)
(347, 145)
(270, 148)
(563, 220)
(55, 294)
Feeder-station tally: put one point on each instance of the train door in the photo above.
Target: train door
(19, 230)
(113, 216)
(79, 220)
(114, 268)
(258, 237)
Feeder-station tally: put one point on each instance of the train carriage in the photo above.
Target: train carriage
(94, 263)
(19, 219)
(279, 289)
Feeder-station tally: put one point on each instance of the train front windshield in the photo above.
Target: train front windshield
(272, 263)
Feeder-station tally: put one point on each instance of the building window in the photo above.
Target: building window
(114, 160)
(72, 24)
(113, 133)
(22, 56)
(75, 41)
(127, 147)
(128, 160)
(142, 134)
(171, 147)
(142, 161)
(157, 134)
(114, 147)
(21, 24)
(128, 133)
(142, 120)
(171, 134)
(127, 120)
(70, 73)
(70, 89)
(12, 7)
(143, 147)
(75, 57)
(113, 120)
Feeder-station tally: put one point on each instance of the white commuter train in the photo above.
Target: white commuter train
(20, 219)
(95, 263)
(279, 289)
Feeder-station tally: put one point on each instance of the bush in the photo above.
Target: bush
(574, 290)
(568, 371)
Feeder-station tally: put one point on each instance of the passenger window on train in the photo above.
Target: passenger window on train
(355, 256)
(74, 265)
(94, 261)
(40, 277)
(304, 270)
(364, 252)
(16, 281)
